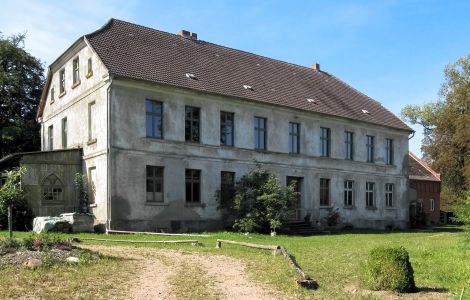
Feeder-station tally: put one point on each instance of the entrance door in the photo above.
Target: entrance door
(297, 214)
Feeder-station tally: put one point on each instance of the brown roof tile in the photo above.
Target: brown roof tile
(419, 170)
(133, 51)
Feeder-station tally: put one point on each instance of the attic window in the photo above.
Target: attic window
(191, 76)
(248, 87)
(365, 111)
(310, 100)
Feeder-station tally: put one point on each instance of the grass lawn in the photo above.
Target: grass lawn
(439, 258)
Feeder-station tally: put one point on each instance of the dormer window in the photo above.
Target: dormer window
(76, 71)
(62, 82)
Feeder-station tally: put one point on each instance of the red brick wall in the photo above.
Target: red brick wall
(427, 190)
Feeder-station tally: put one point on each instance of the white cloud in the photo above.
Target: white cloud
(52, 26)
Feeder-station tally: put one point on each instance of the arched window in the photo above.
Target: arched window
(52, 190)
(431, 204)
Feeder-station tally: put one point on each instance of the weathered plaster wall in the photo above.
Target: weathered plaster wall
(132, 151)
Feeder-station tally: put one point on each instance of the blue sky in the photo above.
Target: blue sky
(393, 51)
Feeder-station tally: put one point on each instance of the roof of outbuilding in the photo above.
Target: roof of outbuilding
(419, 170)
(137, 52)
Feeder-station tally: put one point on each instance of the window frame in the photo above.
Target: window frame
(389, 195)
(370, 144)
(92, 121)
(64, 132)
(193, 181)
(224, 116)
(50, 137)
(325, 191)
(349, 145)
(389, 152)
(432, 204)
(294, 137)
(52, 95)
(157, 178)
(154, 116)
(348, 195)
(62, 82)
(76, 71)
(191, 121)
(89, 72)
(227, 189)
(261, 131)
(370, 193)
(325, 142)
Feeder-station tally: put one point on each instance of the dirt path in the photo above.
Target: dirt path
(163, 274)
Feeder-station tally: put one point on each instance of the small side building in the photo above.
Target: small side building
(425, 185)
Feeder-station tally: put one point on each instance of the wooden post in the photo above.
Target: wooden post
(218, 244)
(277, 251)
(10, 222)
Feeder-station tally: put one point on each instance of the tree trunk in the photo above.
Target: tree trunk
(10, 222)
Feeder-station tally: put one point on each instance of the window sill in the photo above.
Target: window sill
(192, 142)
(371, 207)
(52, 101)
(150, 203)
(63, 94)
(325, 206)
(76, 84)
(89, 74)
(154, 137)
(91, 142)
(390, 208)
(198, 204)
(93, 205)
(349, 207)
(261, 150)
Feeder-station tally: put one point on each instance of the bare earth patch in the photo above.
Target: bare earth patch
(166, 274)
(423, 293)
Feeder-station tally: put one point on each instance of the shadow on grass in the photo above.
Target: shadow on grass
(437, 229)
(432, 290)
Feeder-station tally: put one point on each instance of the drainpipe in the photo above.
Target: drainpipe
(412, 135)
(108, 155)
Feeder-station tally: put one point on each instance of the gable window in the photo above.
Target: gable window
(370, 148)
(92, 122)
(92, 184)
(226, 128)
(227, 186)
(52, 95)
(325, 142)
(154, 184)
(192, 124)
(76, 71)
(370, 194)
(153, 119)
(324, 192)
(348, 193)
(89, 71)
(62, 81)
(294, 137)
(52, 190)
(431, 204)
(50, 138)
(349, 143)
(193, 186)
(389, 151)
(64, 133)
(389, 194)
(260, 133)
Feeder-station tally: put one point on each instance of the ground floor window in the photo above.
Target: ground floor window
(370, 194)
(348, 193)
(52, 190)
(154, 184)
(389, 194)
(324, 192)
(227, 186)
(193, 186)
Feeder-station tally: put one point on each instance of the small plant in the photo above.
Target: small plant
(81, 185)
(45, 242)
(333, 217)
(389, 268)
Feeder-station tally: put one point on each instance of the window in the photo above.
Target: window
(92, 184)
(50, 136)
(62, 81)
(89, 71)
(153, 119)
(91, 122)
(389, 151)
(431, 204)
(64, 133)
(370, 148)
(76, 71)
(227, 186)
(192, 120)
(193, 186)
(154, 184)
(297, 182)
(370, 194)
(324, 192)
(349, 144)
(52, 95)
(325, 142)
(52, 190)
(294, 137)
(389, 194)
(348, 193)
(260, 133)
(226, 128)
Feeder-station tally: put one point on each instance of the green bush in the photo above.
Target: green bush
(44, 242)
(389, 268)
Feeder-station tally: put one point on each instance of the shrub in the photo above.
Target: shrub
(44, 242)
(389, 268)
(333, 217)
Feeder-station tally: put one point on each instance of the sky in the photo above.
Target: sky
(393, 51)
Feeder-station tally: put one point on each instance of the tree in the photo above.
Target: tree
(446, 123)
(260, 204)
(21, 83)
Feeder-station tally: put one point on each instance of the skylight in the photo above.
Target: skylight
(191, 76)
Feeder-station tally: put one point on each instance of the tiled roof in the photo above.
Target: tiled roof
(419, 170)
(136, 52)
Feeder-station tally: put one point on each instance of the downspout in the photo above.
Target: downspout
(412, 135)
(108, 154)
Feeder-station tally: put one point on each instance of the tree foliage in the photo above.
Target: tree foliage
(12, 193)
(446, 124)
(21, 83)
(260, 204)
(81, 184)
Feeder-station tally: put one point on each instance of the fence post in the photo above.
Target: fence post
(218, 244)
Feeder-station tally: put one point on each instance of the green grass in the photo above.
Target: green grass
(439, 258)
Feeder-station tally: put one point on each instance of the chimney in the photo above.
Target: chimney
(188, 35)
(316, 67)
